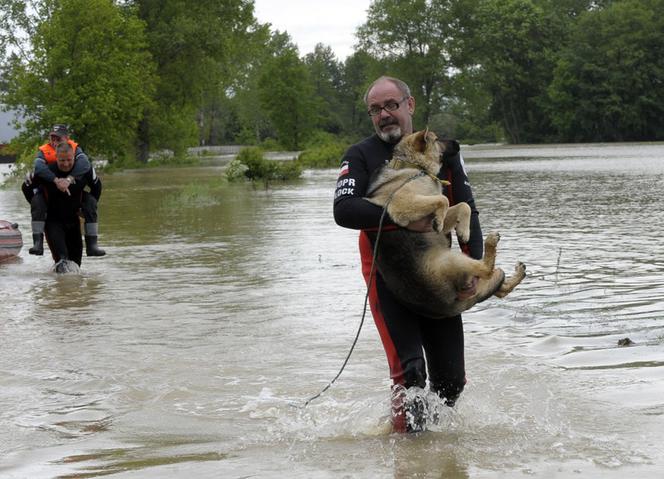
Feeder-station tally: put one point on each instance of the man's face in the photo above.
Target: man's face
(391, 125)
(65, 161)
(54, 139)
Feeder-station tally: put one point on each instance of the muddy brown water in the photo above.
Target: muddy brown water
(219, 309)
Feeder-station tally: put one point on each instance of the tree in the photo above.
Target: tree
(88, 67)
(325, 73)
(513, 45)
(286, 94)
(608, 84)
(413, 36)
(358, 71)
(198, 47)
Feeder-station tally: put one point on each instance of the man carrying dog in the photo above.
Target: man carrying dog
(47, 156)
(417, 347)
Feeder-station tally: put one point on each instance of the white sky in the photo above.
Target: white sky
(309, 22)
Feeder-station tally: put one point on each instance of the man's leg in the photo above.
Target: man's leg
(57, 240)
(89, 208)
(400, 334)
(38, 208)
(443, 345)
(74, 242)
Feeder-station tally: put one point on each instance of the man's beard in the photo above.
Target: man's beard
(393, 135)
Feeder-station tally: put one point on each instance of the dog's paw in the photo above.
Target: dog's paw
(437, 225)
(492, 239)
(520, 269)
(463, 234)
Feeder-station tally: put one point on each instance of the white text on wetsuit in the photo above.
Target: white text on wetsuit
(345, 187)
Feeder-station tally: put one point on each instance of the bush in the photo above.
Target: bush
(251, 164)
(270, 144)
(327, 155)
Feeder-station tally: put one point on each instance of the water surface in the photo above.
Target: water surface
(219, 309)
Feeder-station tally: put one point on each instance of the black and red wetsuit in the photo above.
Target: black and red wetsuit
(414, 344)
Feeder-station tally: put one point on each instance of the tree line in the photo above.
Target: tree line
(132, 77)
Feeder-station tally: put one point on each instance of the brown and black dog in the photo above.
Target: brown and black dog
(421, 269)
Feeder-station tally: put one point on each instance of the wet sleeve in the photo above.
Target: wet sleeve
(351, 210)
(94, 183)
(81, 163)
(460, 191)
(42, 170)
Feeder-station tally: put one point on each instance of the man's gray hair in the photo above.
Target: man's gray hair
(63, 147)
(401, 85)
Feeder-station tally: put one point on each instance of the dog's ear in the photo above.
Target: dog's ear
(420, 140)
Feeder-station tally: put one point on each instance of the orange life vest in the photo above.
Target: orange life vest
(49, 151)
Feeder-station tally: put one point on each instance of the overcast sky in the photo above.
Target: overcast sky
(309, 22)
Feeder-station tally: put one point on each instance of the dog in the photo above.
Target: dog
(421, 269)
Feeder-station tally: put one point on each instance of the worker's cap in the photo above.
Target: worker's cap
(59, 130)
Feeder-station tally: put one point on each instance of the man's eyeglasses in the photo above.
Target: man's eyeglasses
(389, 106)
(55, 138)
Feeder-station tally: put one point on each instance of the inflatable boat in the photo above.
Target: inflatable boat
(11, 240)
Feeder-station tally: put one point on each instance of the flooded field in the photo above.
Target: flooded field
(189, 350)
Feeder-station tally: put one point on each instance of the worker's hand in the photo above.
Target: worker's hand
(63, 185)
(28, 178)
(423, 225)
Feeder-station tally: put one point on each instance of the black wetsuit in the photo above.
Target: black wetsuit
(407, 337)
(63, 229)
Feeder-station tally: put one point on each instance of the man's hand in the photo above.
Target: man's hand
(423, 225)
(63, 185)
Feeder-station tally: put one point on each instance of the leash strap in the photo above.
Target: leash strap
(372, 275)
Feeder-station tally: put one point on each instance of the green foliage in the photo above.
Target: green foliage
(286, 96)
(466, 115)
(359, 70)
(609, 80)
(322, 156)
(325, 73)
(270, 144)
(513, 42)
(200, 48)
(133, 77)
(413, 36)
(88, 69)
(174, 128)
(323, 150)
(251, 164)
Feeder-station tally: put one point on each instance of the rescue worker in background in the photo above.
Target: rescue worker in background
(417, 348)
(42, 171)
(64, 200)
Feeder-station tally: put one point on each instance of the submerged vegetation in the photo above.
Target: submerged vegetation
(251, 164)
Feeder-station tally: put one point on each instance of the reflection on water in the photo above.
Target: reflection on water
(189, 349)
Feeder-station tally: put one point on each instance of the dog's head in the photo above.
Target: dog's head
(418, 150)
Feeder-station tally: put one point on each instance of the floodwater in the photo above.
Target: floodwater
(190, 348)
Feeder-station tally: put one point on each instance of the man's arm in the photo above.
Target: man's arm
(81, 163)
(92, 180)
(41, 168)
(351, 210)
